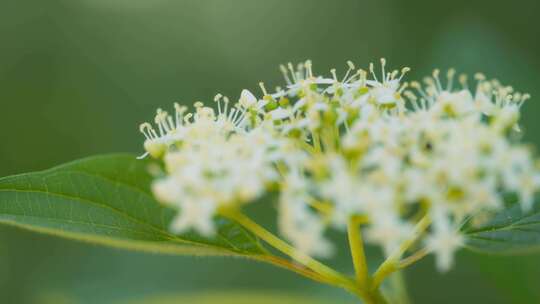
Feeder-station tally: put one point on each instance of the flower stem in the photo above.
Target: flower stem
(316, 141)
(399, 290)
(357, 251)
(392, 263)
(317, 270)
(285, 248)
(413, 258)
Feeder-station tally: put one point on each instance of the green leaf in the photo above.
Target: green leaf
(107, 200)
(511, 231)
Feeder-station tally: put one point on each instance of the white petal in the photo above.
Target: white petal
(247, 99)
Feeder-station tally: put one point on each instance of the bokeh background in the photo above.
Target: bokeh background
(78, 76)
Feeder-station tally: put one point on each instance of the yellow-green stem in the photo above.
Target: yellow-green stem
(321, 272)
(413, 258)
(399, 290)
(392, 263)
(285, 248)
(357, 251)
(316, 141)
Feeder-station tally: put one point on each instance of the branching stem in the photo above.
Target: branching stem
(315, 270)
(285, 248)
(357, 250)
(365, 286)
(413, 258)
(392, 263)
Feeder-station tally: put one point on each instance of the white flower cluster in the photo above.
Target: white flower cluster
(211, 160)
(362, 145)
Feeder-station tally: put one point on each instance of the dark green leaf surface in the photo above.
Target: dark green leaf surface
(510, 231)
(106, 200)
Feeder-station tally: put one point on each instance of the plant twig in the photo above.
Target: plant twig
(413, 258)
(357, 250)
(391, 264)
(285, 248)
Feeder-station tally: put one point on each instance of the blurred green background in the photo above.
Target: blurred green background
(78, 76)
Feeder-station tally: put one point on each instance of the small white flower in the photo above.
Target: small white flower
(197, 215)
(388, 231)
(384, 93)
(296, 222)
(387, 90)
(341, 188)
(247, 99)
(444, 244)
(444, 241)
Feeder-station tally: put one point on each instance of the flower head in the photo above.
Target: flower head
(342, 147)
